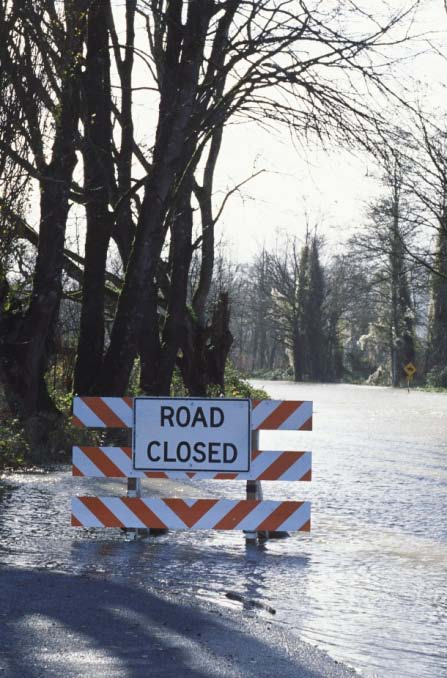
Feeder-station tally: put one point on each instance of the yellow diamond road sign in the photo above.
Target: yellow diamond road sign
(410, 370)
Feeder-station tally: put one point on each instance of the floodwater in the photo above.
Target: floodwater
(368, 584)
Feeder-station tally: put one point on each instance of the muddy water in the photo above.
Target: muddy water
(369, 584)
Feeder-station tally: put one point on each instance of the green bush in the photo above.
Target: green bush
(277, 374)
(14, 450)
(237, 387)
(437, 377)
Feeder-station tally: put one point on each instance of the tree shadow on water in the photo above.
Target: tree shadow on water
(54, 624)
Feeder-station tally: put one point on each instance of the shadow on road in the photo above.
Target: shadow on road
(55, 624)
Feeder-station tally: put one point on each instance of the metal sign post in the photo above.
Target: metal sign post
(410, 370)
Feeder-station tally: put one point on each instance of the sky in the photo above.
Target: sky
(333, 188)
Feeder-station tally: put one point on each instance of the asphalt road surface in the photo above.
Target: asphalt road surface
(56, 624)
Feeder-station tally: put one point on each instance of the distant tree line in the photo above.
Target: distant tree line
(374, 308)
(283, 319)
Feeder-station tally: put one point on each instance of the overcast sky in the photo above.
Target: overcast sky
(332, 187)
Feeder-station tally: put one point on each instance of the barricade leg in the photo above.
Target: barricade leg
(133, 487)
(134, 490)
(254, 491)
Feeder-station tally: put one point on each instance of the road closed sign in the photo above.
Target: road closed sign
(200, 434)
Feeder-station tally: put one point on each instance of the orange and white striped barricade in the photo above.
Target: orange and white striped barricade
(252, 515)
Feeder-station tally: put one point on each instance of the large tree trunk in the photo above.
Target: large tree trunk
(98, 172)
(27, 334)
(150, 345)
(205, 350)
(157, 366)
(173, 330)
(193, 360)
(220, 341)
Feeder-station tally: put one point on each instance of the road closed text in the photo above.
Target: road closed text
(213, 452)
(192, 435)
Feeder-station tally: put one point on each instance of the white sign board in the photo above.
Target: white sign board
(200, 434)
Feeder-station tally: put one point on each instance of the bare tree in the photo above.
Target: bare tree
(42, 61)
(427, 182)
(384, 245)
